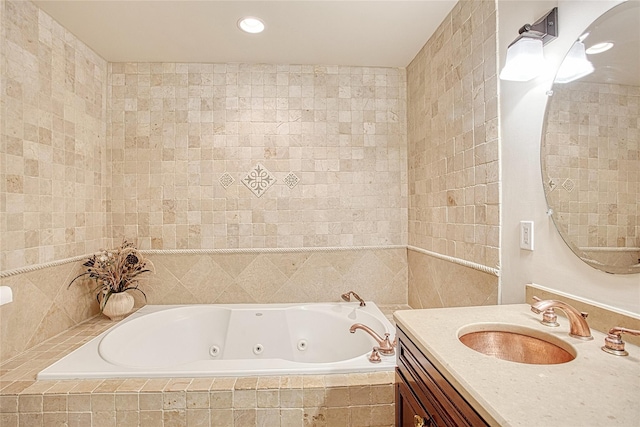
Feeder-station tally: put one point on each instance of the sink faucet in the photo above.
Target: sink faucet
(347, 297)
(385, 346)
(577, 321)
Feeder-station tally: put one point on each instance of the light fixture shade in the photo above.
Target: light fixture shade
(525, 60)
(575, 65)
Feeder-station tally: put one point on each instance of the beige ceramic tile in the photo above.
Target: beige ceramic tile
(292, 417)
(127, 402)
(291, 398)
(438, 283)
(198, 400)
(244, 399)
(222, 417)
(200, 384)
(268, 398)
(450, 212)
(198, 418)
(337, 396)
(150, 401)
(174, 400)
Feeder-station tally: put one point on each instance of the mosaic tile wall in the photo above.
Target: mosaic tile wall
(452, 118)
(592, 157)
(184, 157)
(52, 141)
(324, 147)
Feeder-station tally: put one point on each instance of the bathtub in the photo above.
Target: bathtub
(230, 340)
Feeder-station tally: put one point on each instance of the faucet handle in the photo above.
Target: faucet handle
(613, 343)
(375, 355)
(549, 316)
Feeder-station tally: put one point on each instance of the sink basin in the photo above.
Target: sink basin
(517, 344)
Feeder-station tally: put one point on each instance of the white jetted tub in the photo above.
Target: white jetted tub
(231, 340)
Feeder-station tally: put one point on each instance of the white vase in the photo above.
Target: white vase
(118, 305)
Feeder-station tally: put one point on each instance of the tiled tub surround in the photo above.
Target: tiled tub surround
(310, 400)
(452, 137)
(53, 174)
(44, 307)
(436, 283)
(92, 152)
(182, 138)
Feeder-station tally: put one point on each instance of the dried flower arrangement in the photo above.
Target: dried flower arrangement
(116, 271)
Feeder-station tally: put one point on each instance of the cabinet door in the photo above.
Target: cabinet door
(439, 398)
(409, 412)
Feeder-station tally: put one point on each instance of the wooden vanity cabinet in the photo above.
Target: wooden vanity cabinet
(423, 396)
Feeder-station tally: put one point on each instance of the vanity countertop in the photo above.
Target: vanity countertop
(594, 389)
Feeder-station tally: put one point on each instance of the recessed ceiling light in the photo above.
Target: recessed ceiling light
(599, 48)
(251, 24)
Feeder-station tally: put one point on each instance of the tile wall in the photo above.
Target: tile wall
(453, 138)
(92, 152)
(436, 283)
(182, 145)
(53, 177)
(185, 140)
(376, 275)
(592, 156)
(43, 307)
(453, 166)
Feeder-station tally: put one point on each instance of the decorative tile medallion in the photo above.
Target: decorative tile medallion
(552, 184)
(291, 180)
(258, 180)
(226, 179)
(568, 185)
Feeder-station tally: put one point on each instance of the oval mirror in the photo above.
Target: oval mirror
(590, 151)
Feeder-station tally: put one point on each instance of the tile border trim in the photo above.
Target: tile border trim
(459, 261)
(28, 269)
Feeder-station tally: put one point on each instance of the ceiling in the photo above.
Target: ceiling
(329, 32)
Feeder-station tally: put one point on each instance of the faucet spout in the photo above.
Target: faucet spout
(347, 297)
(385, 346)
(578, 327)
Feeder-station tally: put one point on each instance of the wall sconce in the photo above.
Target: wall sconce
(575, 65)
(525, 59)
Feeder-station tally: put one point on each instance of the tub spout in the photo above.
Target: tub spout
(385, 346)
(578, 327)
(347, 297)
